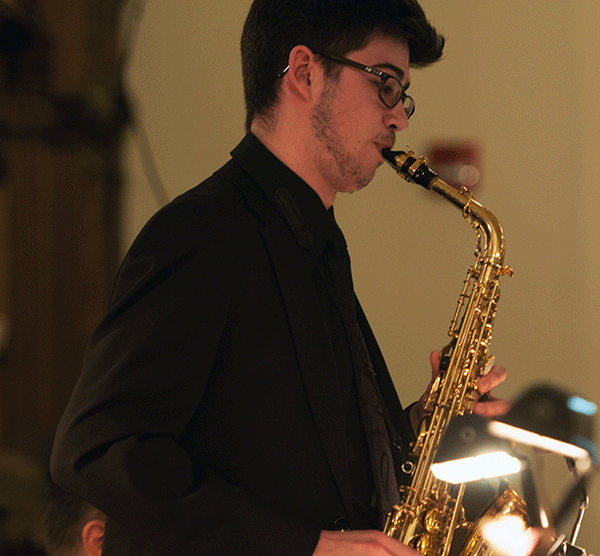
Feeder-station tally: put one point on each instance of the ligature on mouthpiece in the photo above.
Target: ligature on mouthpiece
(410, 167)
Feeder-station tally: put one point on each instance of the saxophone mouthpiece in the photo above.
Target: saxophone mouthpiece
(390, 156)
(408, 166)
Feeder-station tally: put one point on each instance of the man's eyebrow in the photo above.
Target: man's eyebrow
(399, 74)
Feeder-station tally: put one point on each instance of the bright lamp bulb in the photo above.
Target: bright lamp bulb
(508, 536)
(484, 466)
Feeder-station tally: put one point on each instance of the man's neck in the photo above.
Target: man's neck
(287, 147)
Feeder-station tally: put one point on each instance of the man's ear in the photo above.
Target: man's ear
(302, 71)
(92, 537)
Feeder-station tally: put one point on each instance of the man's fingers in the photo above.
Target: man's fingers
(492, 379)
(492, 408)
(434, 359)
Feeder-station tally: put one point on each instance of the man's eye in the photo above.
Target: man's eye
(386, 89)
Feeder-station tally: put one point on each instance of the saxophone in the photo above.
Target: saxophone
(431, 510)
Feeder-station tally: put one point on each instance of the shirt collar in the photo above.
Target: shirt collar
(298, 203)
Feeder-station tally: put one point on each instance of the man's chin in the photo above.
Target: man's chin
(358, 187)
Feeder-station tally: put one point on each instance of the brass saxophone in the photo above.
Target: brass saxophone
(430, 511)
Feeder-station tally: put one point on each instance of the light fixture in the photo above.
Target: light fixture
(468, 452)
(546, 419)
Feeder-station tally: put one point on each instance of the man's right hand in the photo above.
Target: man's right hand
(363, 543)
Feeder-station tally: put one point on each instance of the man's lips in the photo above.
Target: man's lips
(385, 144)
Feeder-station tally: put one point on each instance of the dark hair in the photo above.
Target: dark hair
(64, 517)
(274, 27)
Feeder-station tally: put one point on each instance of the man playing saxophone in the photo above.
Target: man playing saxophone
(234, 399)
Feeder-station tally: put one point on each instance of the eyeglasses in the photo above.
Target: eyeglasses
(391, 91)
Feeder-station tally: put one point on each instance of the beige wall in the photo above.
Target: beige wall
(521, 79)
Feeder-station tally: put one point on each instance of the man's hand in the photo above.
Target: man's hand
(490, 406)
(487, 407)
(363, 543)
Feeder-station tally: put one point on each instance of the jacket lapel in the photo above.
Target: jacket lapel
(313, 349)
(316, 360)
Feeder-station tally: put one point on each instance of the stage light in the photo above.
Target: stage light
(468, 452)
(545, 419)
(483, 466)
(510, 536)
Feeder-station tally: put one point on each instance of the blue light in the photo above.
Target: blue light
(589, 446)
(575, 403)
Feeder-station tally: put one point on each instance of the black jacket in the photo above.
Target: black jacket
(208, 419)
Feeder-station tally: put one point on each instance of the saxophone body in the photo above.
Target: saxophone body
(431, 510)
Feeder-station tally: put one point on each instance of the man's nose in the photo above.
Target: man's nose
(396, 118)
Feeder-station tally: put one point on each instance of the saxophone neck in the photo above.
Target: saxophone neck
(415, 170)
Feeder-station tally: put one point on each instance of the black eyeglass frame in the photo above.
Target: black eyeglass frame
(409, 109)
(408, 102)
